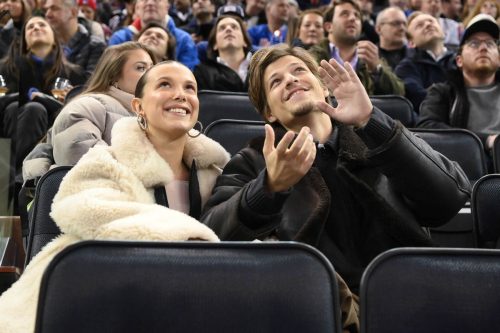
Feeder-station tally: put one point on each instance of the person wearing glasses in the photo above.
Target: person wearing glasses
(470, 98)
(391, 27)
(431, 59)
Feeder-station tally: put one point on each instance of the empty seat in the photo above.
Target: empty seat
(486, 211)
(431, 290)
(119, 286)
(234, 135)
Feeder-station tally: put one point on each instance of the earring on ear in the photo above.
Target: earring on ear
(143, 123)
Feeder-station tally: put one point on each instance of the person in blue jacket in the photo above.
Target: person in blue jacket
(150, 11)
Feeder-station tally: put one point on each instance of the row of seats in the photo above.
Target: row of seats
(118, 286)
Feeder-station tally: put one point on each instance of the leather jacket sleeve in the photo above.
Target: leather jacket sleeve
(433, 187)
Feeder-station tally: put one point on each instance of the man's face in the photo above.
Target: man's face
(278, 10)
(182, 5)
(157, 40)
(454, 7)
(425, 30)
(254, 7)
(203, 8)
(58, 14)
(152, 11)
(229, 35)
(431, 7)
(479, 55)
(346, 24)
(291, 91)
(392, 28)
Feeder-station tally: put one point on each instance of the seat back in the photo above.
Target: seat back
(234, 135)
(77, 90)
(115, 286)
(486, 211)
(496, 154)
(396, 107)
(459, 145)
(42, 227)
(431, 290)
(465, 148)
(216, 105)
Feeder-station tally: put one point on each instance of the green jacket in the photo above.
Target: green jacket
(388, 83)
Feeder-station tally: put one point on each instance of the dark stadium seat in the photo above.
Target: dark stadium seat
(126, 286)
(234, 135)
(42, 227)
(486, 211)
(414, 290)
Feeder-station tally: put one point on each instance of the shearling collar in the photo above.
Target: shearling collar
(132, 148)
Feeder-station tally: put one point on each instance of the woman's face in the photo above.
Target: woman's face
(88, 12)
(137, 63)
(157, 40)
(311, 29)
(38, 32)
(15, 8)
(489, 7)
(170, 102)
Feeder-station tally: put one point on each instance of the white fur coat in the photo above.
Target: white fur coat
(109, 195)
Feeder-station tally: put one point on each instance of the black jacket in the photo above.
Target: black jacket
(84, 50)
(394, 189)
(420, 71)
(447, 105)
(210, 75)
(7, 34)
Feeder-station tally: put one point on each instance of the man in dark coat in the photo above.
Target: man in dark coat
(350, 181)
(470, 99)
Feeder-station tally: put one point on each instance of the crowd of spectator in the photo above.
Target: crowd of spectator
(443, 56)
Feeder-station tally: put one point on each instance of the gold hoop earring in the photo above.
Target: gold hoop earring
(143, 123)
(199, 133)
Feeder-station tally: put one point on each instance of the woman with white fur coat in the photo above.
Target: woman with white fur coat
(123, 191)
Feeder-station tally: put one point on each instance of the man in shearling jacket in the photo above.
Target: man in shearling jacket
(350, 181)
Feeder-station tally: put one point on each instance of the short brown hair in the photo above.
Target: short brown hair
(328, 15)
(265, 57)
(411, 18)
(212, 38)
(172, 42)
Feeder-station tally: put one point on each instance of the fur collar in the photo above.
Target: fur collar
(132, 148)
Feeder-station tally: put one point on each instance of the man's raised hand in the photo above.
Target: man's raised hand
(354, 106)
(286, 166)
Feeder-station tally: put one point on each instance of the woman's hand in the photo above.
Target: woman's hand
(34, 94)
(354, 106)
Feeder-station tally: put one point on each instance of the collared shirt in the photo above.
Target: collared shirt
(184, 17)
(243, 70)
(336, 55)
(439, 57)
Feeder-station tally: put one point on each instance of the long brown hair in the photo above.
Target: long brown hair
(20, 47)
(477, 10)
(110, 66)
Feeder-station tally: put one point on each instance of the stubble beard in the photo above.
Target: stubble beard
(303, 109)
